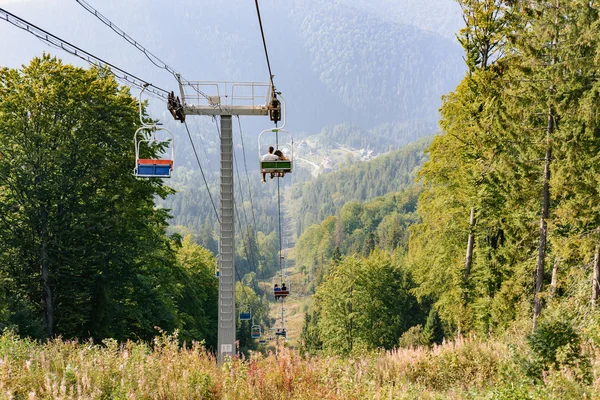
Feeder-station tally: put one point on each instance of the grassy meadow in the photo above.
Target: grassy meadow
(464, 369)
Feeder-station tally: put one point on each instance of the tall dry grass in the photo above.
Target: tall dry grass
(465, 369)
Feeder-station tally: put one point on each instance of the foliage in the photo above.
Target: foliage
(529, 96)
(195, 289)
(555, 343)
(413, 337)
(359, 229)
(327, 194)
(83, 249)
(247, 300)
(310, 337)
(364, 303)
(432, 331)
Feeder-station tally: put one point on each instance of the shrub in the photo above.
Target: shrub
(555, 343)
(413, 337)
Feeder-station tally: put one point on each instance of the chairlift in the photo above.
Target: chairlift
(152, 135)
(270, 142)
(152, 167)
(279, 140)
(255, 332)
(280, 291)
(281, 332)
(262, 341)
(245, 315)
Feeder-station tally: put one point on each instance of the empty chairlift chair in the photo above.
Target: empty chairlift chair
(245, 315)
(152, 140)
(153, 167)
(255, 332)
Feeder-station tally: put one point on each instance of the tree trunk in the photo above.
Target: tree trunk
(350, 333)
(596, 272)
(554, 277)
(44, 265)
(539, 275)
(469, 257)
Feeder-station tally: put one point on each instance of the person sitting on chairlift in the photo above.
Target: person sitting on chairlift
(276, 289)
(282, 157)
(283, 287)
(270, 156)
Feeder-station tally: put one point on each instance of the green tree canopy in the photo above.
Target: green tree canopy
(83, 249)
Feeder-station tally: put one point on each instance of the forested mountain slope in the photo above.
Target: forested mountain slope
(327, 194)
(358, 229)
(440, 16)
(380, 139)
(378, 69)
(506, 232)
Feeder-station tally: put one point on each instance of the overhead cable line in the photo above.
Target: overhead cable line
(55, 41)
(202, 140)
(264, 42)
(255, 257)
(246, 168)
(262, 33)
(279, 222)
(246, 252)
(202, 172)
(160, 64)
(153, 58)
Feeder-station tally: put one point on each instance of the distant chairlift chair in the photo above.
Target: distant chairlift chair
(281, 332)
(255, 332)
(245, 315)
(282, 291)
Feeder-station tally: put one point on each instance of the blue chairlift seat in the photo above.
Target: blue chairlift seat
(148, 168)
(245, 316)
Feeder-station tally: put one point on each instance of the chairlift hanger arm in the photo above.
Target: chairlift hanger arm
(151, 168)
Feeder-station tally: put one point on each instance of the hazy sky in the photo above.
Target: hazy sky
(177, 31)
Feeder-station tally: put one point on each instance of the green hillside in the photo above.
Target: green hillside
(327, 194)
